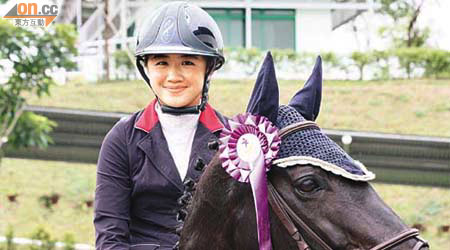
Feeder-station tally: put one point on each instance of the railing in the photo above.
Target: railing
(399, 159)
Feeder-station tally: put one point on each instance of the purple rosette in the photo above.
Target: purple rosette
(249, 143)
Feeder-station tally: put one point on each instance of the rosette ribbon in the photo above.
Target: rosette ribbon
(249, 143)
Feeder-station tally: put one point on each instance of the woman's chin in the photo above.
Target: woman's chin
(176, 104)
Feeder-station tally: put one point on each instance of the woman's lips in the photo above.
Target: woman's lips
(175, 89)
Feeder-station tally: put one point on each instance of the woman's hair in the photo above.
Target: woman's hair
(209, 60)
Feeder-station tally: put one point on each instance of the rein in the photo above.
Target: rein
(290, 219)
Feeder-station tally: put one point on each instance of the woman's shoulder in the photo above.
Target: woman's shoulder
(125, 126)
(221, 117)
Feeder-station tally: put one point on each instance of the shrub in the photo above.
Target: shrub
(69, 241)
(436, 63)
(124, 62)
(250, 58)
(381, 59)
(280, 56)
(9, 238)
(40, 234)
(410, 59)
(331, 59)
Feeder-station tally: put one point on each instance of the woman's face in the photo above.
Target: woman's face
(177, 79)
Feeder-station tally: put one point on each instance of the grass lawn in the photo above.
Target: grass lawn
(402, 106)
(76, 182)
(31, 179)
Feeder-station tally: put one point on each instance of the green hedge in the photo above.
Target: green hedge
(383, 64)
(412, 62)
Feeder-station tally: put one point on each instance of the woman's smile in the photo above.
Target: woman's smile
(175, 89)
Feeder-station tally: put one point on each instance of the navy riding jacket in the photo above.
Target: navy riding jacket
(138, 183)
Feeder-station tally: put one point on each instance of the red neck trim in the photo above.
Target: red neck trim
(210, 120)
(149, 118)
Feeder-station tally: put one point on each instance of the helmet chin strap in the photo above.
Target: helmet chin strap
(184, 110)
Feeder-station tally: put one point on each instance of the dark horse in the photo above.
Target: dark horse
(312, 206)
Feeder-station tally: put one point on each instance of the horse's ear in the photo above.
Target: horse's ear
(265, 96)
(307, 100)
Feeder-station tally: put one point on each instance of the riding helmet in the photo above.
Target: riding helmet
(180, 27)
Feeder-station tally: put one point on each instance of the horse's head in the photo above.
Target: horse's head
(319, 196)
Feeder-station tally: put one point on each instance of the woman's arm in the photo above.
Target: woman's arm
(113, 192)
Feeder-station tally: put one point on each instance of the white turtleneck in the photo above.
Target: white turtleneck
(179, 131)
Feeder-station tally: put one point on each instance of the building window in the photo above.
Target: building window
(273, 29)
(131, 29)
(232, 25)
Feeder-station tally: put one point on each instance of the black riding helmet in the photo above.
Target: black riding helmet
(180, 27)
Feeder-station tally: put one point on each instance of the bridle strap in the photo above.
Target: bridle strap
(288, 217)
(286, 221)
(296, 127)
(406, 235)
(420, 243)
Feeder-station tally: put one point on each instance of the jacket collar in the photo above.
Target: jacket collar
(149, 118)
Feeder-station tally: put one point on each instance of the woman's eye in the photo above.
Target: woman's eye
(161, 63)
(187, 63)
(308, 185)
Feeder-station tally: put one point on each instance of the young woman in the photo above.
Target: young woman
(145, 158)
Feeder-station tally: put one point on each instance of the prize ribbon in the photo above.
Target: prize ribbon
(249, 143)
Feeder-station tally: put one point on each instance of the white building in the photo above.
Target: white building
(301, 25)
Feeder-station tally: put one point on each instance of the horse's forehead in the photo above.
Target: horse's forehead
(311, 146)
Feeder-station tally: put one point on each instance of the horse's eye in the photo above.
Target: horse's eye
(307, 185)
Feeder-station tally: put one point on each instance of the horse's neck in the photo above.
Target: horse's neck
(209, 220)
(222, 214)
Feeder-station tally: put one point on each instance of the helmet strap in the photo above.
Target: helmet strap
(141, 67)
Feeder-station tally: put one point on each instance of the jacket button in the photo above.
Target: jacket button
(199, 165)
(213, 145)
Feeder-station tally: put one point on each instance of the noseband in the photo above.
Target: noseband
(290, 219)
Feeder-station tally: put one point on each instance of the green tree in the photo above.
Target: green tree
(123, 61)
(27, 60)
(404, 15)
(361, 60)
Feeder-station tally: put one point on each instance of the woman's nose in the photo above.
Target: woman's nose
(174, 75)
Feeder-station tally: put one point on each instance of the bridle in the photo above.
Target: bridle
(290, 219)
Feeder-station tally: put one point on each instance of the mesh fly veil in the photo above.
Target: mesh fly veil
(308, 145)
(312, 146)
